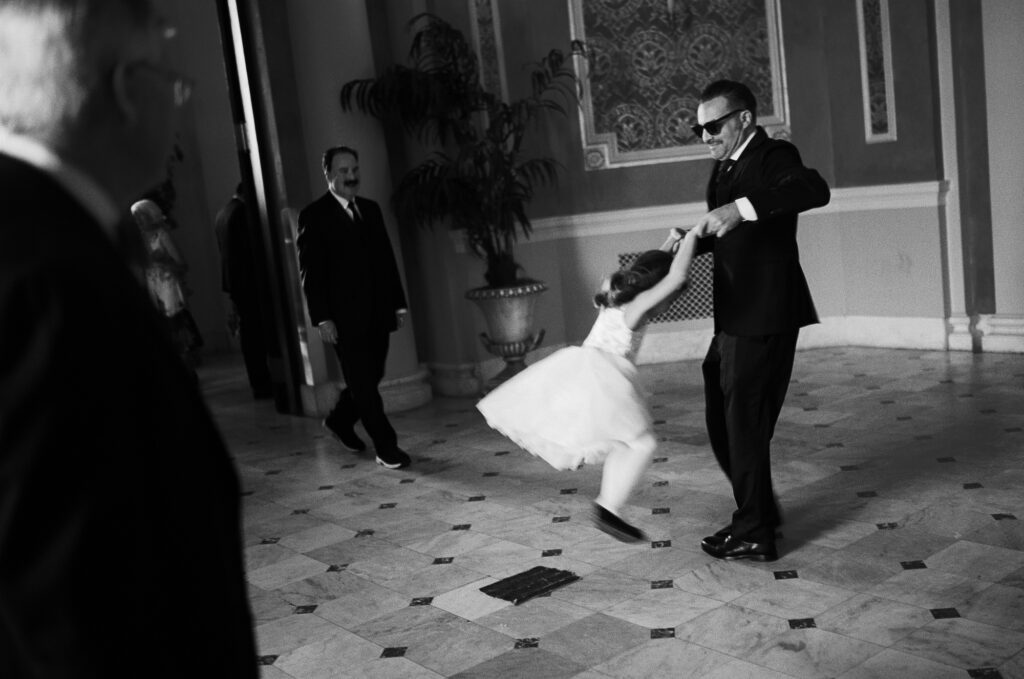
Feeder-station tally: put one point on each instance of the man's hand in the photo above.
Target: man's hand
(720, 221)
(328, 332)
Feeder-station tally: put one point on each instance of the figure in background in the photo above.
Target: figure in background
(761, 301)
(583, 405)
(239, 281)
(355, 297)
(120, 521)
(165, 279)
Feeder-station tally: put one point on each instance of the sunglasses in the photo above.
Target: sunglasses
(713, 127)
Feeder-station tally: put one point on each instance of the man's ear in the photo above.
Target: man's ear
(122, 95)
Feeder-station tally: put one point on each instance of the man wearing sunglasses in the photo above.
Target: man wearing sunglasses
(761, 301)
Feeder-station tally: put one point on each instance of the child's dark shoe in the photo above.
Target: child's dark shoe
(608, 523)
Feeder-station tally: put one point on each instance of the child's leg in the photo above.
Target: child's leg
(622, 471)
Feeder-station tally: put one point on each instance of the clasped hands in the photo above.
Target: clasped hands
(718, 222)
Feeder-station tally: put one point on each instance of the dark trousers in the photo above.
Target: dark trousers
(254, 346)
(363, 360)
(745, 383)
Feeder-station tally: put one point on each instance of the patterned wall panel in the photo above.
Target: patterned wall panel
(486, 31)
(649, 60)
(696, 302)
(876, 70)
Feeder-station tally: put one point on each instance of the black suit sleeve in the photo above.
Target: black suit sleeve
(786, 187)
(313, 265)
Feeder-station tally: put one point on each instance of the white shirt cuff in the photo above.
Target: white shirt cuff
(747, 211)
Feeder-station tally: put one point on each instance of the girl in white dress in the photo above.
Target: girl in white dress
(583, 405)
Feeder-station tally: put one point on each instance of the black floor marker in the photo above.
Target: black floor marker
(528, 584)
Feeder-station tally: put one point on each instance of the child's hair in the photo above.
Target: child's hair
(625, 284)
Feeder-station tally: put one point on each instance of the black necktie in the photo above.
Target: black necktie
(354, 212)
(720, 186)
(725, 170)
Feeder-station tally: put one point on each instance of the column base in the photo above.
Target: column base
(399, 394)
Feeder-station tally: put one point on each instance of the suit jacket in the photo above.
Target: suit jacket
(759, 286)
(234, 239)
(120, 539)
(348, 270)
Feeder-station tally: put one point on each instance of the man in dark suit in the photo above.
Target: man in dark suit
(355, 297)
(761, 301)
(238, 280)
(120, 538)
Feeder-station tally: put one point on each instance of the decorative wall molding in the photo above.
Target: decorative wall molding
(648, 61)
(664, 217)
(876, 70)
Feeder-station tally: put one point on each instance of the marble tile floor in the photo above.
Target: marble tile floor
(900, 474)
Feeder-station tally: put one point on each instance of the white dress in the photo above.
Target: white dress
(579, 403)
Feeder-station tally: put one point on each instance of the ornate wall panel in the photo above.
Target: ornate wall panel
(486, 32)
(876, 70)
(648, 61)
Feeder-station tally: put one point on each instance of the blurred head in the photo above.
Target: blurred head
(625, 284)
(148, 215)
(341, 170)
(726, 116)
(86, 78)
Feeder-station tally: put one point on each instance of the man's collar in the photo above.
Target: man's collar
(81, 186)
(746, 142)
(341, 199)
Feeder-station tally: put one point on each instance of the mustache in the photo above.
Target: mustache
(351, 182)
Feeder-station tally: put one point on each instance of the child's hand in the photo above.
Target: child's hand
(675, 237)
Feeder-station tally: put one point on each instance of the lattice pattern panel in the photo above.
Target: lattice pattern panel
(697, 301)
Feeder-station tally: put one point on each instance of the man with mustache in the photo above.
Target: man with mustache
(355, 297)
(761, 301)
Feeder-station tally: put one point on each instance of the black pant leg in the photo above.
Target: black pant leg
(254, 346)
(363, 361)
(754, 377)
(714, 407)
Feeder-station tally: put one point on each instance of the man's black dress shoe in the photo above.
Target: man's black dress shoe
(723, 534)
(718, 539)
(396, 458)
(733, 548)
(345, 436)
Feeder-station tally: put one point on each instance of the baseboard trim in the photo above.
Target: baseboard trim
(681, 344)
(689, 341)
(1001, 334)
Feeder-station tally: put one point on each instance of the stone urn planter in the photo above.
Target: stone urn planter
(509, 314)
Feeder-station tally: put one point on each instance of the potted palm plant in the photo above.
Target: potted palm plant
(478, 179)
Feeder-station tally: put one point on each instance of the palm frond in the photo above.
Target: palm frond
(478, 181)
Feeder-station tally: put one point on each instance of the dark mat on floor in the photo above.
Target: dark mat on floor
(528, 584)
